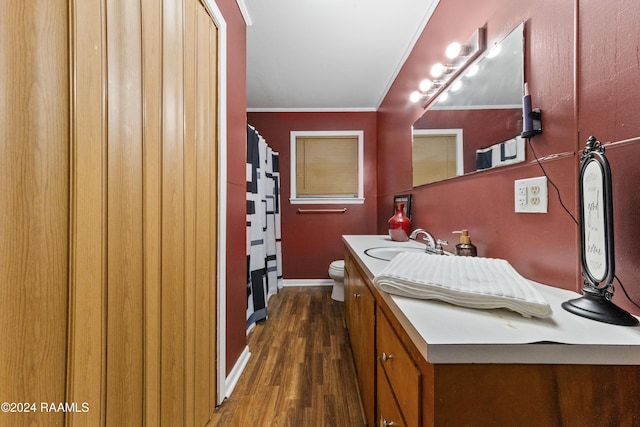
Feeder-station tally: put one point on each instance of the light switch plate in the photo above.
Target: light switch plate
(531, 195)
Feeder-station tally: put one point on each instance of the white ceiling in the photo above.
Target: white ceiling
(328, 55)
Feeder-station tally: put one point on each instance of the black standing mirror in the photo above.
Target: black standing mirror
(596, 240)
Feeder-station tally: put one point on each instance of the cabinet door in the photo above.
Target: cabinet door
(360, 319)
(388, 412)
(399, 370)
(368, 358)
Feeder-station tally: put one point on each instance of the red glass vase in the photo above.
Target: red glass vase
(399, 225)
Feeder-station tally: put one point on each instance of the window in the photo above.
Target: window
(327, 167)
(436, 155)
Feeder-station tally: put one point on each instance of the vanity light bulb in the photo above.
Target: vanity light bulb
(415, 96)
(494, 51)
(437, 70)
(456, 86)
(453, 50)
(473, 70)
(443, 97)
(425, 85)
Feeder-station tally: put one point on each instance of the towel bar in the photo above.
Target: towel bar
(314, 211)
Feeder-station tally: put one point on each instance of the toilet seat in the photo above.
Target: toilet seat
(336, 272)
(336, 268)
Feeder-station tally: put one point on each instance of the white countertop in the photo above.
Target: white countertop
(455, 334)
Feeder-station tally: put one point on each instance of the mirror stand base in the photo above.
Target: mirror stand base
(599, 308)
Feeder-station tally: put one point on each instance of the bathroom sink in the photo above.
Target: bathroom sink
(387, 253)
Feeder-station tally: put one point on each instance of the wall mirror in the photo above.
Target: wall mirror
(481, 110)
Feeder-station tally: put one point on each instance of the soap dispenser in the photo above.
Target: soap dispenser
(465, 247)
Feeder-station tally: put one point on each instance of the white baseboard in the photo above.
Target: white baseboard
(238, 368)
(307, 282)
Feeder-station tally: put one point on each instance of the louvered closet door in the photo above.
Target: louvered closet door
(197, 292)
(143, 213)
(108, 211)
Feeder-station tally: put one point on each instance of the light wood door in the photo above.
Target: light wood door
(34, 207)
(108, 250)
(157, 173)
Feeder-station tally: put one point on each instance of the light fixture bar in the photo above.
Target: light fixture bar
(469, 52)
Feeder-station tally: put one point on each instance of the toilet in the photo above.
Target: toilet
(336, 272)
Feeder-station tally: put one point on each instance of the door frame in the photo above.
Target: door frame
(221, 285)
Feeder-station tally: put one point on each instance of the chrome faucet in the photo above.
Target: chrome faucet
(433, 245)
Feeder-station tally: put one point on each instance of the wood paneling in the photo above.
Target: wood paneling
(34, 206)
(190, 91)
(124, 215)
(173, 221)
(152, 205)
(87, 284)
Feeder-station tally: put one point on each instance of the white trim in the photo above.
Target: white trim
(236, 372)
(221, 339)
(245, 12)
(459, 144)
(307, 282)
(250, 328)
(314, 110)
(326, 200)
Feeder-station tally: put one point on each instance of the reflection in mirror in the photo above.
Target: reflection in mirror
(482, 108)
(436, 154)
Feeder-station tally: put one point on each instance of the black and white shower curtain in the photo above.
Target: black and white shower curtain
(264, 252)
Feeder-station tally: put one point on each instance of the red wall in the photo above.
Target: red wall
(609, 108)
(311, 241)
(236, 182)
(597, 96)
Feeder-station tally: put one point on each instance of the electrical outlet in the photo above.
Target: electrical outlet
(521, 196)
(531, 195)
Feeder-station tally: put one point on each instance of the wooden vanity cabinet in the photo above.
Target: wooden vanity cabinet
(399, 387)
(360, 309)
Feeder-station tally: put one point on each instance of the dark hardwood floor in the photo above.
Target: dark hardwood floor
(301, 370)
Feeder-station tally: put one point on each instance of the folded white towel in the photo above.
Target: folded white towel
(473, 282)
